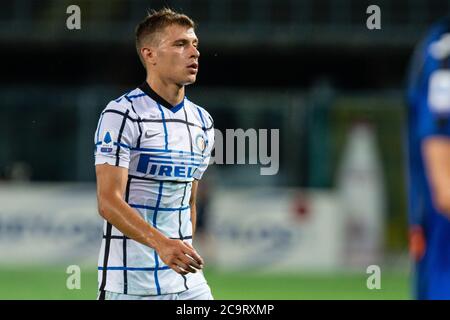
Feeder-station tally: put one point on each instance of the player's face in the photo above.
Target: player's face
(177, 54)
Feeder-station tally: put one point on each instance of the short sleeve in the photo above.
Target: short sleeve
(209, 145)
(114, 136)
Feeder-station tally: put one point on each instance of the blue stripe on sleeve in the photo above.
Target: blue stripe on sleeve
(183, 162)
(136, 96)
(141, 206)
(180, 152)
(201, 117)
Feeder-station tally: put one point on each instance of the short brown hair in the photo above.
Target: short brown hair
(155, 22)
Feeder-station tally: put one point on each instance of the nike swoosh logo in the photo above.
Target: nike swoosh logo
(148, 135)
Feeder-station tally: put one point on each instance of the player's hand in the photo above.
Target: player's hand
(417, 243)
(180, 256)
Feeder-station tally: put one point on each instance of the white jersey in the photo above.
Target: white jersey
(164, 148)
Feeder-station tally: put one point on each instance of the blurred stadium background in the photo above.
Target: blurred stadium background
(309, 68)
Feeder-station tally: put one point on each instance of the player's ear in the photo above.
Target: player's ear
(149, 55)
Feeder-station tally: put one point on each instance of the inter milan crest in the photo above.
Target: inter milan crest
(200, 142)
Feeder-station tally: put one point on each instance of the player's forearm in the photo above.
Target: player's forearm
(129, 222)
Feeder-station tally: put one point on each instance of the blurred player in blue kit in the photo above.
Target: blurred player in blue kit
(428, 97)
(152, 147)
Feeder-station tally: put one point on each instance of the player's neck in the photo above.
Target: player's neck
(172, 93)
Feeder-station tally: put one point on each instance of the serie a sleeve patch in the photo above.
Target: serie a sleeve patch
(107, 142)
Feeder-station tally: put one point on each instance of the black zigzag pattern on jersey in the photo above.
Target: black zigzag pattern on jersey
(124, 243)
(179, 213)
(119, 138)
(179, 229)
(138, 143)
(109, 226)
(115, 237)
(188, 129)
(157, 120)
(105, 260)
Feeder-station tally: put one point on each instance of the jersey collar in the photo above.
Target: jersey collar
(152, 94)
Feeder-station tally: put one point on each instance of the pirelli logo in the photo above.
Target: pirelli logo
(147, 166)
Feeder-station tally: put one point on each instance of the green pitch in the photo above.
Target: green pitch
(45, 283)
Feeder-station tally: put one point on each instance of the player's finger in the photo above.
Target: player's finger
(185, 266)
(194, 255)
(181, 264)
(191, 262)
(179, 270)
(192, 248)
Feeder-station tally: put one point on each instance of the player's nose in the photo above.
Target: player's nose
(194, 52)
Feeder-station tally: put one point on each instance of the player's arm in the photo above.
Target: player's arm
(193, 205)
(111, 184)
(436, 151)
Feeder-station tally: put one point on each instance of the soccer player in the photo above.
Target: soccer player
(152, 147)
(429, 163)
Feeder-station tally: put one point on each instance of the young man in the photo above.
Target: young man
(152, 147)
(429, 163)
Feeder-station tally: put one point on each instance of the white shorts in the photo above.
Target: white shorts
(200, 292)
